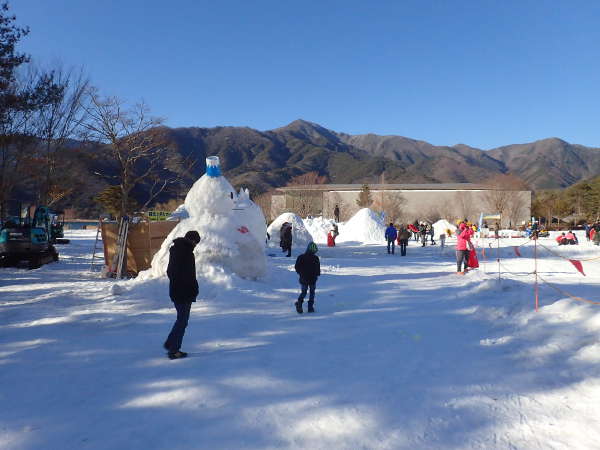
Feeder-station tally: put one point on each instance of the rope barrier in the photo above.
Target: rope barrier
(563, 257)
(567, 294)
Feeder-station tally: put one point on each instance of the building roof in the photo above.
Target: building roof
(386, 187)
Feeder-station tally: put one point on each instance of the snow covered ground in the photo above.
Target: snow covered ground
(401, 354)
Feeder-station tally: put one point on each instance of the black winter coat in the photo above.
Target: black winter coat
(286, 237)
(308, 267)
(183, 286)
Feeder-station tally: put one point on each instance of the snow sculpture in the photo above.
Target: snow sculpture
(300, 235)
(232, 234)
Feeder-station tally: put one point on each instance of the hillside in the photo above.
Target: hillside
(262, 160)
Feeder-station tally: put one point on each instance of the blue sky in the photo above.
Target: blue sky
(482, 73)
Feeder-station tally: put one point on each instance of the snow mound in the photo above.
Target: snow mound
(365, 226)
(318, 227)
(441, 226)
(232, 234)
(300, 235)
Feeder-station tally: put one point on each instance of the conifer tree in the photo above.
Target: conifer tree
(364, 199)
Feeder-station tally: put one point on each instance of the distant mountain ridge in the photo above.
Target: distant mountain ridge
(266, 159)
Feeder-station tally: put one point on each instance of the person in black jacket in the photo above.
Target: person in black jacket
(183, 289)
(308, 267)
(285, 236)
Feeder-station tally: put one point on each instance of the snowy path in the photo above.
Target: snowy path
(401, 353)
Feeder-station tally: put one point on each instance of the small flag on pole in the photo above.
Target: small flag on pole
(577, 265)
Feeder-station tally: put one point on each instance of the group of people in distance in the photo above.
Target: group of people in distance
(567, 239)
(400, 235)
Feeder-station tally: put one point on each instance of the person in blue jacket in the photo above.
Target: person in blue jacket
(390, 235)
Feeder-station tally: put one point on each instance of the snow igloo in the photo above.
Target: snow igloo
(232, 229)
(301, 237)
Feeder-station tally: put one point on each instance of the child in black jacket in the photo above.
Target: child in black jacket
(308, 267)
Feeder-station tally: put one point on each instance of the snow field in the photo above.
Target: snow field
(401, 354)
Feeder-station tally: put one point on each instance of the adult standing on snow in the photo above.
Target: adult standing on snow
(183, 289)
(423, 232)
(431, 232)
(403, 237)
(390, 235)
(308, 268)
(463, 246)
(336, 213)
(285, 234)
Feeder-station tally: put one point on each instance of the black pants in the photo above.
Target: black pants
(424, 239)
(175, 338)
(393, 244)
(462, 256)
(311, 295)
(403, 243)
(287, 248)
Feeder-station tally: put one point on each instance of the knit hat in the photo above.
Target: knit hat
(193, 236)
(312, 248)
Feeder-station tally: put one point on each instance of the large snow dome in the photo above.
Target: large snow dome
(365, 226)
(232, 235)
(300, 235)
(319, 227)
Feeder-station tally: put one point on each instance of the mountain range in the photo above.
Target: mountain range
(262, 160)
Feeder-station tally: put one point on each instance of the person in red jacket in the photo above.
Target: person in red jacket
(561, 239)
(463, 246)
(571, 238)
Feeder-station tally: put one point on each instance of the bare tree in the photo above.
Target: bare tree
(392, 204)
(503, 195)
(306, 201)
(57, 121)
(465, 207)
(18, 141)
(135, 145)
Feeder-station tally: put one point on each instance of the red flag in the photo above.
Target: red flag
(517, 251)
(483, 251)
(577, 265)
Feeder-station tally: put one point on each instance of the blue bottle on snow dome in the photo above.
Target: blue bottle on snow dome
(213, 167)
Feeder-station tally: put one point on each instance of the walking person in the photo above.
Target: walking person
(183, 289)
(463, 246)
(423, 232)
(308, 268)
(443, 240)
(403, 237)
(285, 238)
(431, 231)
(588, 228)
(390, 235)
(336, 213)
